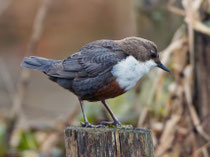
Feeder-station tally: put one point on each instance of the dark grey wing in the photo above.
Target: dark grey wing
(99, 60)
(93, 59)
(57, 70)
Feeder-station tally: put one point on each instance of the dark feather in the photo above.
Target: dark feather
(92, 60)
(38, 63)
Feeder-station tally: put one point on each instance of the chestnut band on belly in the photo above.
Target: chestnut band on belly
(110, 90)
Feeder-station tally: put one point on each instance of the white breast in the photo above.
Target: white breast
(129, 71)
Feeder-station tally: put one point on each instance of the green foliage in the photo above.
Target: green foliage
(27, 141)
(157, 16)
(3, 146)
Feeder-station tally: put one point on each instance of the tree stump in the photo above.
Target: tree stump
(108, 142)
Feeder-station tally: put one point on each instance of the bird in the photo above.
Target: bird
(101, 70)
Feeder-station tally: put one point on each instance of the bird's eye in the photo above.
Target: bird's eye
(153, 54)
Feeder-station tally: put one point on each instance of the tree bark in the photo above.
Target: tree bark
(202, 81)
(108, 142)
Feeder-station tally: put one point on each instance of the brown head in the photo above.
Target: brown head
(143, 50)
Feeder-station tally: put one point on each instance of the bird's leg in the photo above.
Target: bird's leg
(86, 124)
(116, 121)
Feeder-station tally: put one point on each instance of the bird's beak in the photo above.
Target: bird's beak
(160, 65)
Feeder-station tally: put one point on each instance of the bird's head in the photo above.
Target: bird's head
(143, 50)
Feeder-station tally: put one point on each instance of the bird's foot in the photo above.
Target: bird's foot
(88, 125)
(111, 124)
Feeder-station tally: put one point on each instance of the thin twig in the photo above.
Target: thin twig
(193, 114)
(25, 74)
(199, 150)
(196, 24)
(191, 16)
(165, 58)
(167, 139)
(16, 111)
(173, 9)
(199, 26)
(197, 5)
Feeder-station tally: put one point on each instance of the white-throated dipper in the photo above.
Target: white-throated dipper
(101, 70)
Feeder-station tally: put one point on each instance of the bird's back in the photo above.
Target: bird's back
(86, 73)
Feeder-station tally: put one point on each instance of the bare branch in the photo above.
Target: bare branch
(25, 74)
(16, 111)
(199, 150)
(193, 114)
(175, 10)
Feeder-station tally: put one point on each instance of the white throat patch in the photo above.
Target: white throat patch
(129, 71)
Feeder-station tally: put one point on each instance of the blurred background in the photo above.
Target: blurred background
(34, 111)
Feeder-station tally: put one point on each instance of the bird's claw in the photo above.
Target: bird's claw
(88, 125)
(114, 123)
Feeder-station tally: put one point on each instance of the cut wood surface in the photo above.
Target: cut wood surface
(108, 142)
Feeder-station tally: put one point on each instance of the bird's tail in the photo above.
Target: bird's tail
(37, 63)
